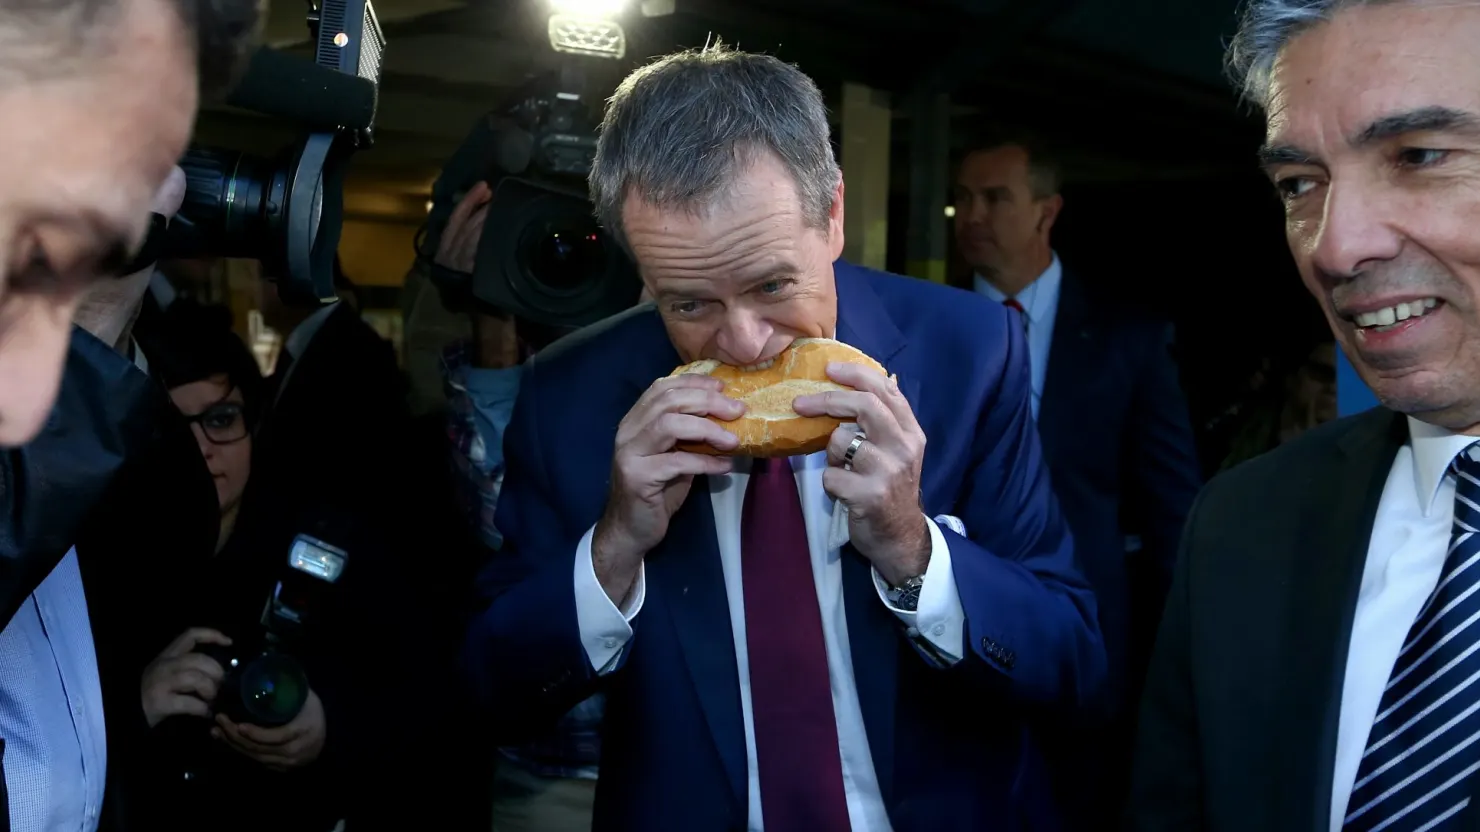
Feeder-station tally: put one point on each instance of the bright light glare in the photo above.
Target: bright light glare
(590, 8)
(950, 210)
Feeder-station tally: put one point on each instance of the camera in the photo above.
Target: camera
(287, 210)
(264, 684)
(542, 256)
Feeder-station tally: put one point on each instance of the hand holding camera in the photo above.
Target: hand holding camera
(286, 747)
(181, 681)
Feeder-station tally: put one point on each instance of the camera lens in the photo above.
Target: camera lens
(565, 255)
(273, 689)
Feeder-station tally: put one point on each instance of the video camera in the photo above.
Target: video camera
(286, 211)
(265, 685)
(542, 256)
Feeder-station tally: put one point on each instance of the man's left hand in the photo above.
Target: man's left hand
(287, 747)
(881, 485)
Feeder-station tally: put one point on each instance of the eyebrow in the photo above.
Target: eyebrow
(1284, 154)
(1422, 120)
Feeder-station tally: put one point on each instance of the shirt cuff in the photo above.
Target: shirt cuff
(939, 618)
(605, 629)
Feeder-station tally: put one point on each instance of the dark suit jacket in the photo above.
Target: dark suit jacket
(1238, 729)
(63, 487)
(1118, 440)
(102, 417)
(948, 745)
(138, 554)
(335, 459)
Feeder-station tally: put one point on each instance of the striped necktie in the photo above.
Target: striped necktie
(1418, 771)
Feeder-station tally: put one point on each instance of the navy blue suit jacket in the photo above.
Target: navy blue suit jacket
(1119, 444)
(948, 746)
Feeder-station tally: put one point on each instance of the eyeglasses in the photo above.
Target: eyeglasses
(222, 423)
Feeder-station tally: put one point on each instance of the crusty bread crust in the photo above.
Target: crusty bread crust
(770, 427)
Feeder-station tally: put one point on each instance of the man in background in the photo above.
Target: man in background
(1115, 432)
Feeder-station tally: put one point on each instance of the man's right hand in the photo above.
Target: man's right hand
(181, 681)
(650, 480)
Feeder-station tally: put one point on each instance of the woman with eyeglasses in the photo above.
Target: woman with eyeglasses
(215, 383)
(200, 771)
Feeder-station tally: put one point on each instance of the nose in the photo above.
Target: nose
(743, 338)
(33, 352)
(1355, 231)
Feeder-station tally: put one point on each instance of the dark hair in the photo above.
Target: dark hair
(49, 36)
(1044, 173)
(190, 342)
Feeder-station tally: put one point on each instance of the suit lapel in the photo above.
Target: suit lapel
(1330, 553)
(688, 570)
(864, 322)
(1074, 340)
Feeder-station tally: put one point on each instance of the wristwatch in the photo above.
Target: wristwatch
(906, 596)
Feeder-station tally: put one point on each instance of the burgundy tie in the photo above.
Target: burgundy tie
(796, 732)
(1012, 303)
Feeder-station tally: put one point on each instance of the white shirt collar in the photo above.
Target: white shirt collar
(1039, 298)
(1434, 449)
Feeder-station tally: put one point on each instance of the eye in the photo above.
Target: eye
(1420, 157)
(1294, 187)
(775, 288)
(686, 308)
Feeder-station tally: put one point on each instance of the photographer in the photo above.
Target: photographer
(271, 777)
(547, 784)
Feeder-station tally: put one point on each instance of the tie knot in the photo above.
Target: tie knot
(1012, 303)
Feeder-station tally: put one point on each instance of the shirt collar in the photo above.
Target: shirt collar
(1039, 299)
(1434, 449)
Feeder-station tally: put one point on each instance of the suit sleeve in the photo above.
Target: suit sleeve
(49, 487)
(1030, 614)
(523, 655)
(1166, 780)
(1164, 462)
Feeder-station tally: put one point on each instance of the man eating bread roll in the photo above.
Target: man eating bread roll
(834, 616)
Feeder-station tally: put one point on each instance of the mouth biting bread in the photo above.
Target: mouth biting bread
(770, 427)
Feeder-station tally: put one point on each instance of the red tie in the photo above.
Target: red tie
(796, 731)
(1012, 303)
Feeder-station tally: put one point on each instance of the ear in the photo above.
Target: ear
(835, 222)
(1050, 213)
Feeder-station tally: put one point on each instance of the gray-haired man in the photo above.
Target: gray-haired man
(772, 661)
(1319, 662)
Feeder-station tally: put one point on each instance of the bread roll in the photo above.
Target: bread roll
(770, 427)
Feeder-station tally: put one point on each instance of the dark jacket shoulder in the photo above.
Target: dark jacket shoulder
(1274, 483)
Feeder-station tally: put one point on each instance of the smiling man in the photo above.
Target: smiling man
(1319, 662)
(766, 667)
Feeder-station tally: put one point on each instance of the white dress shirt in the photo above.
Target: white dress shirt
(1040, 302)
(51, 709)
(940, 618)
(1405, 557)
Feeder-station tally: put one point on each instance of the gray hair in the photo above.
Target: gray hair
(678, 131)
(1265, 28)
(41, 38)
